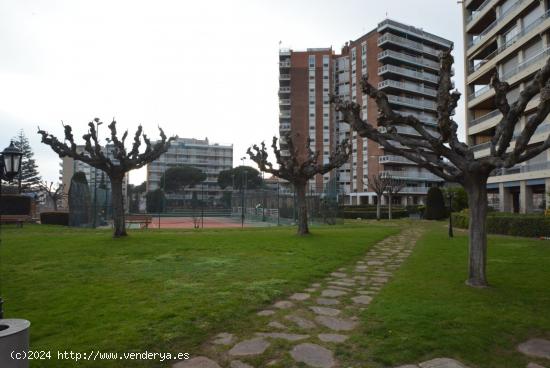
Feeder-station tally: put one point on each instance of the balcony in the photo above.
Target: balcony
(284, 52)
(522, 169)
(410, 175)
(414, 190)
(485, 117)
(412, 102)
(477, 12)
(284, 127)
(481, 146)
(408, 73)
(284, 101)
(412, 45)
(420, 61)
(510, 42)
(388, 23)
(284, 76)
(484, 122)
(284, 90)
(541, 56)
(393, 159)
(407, 86)
(284, 114)
(483, 35)
(284, 64)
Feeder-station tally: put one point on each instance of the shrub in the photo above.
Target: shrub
(155, 201)
(510, 224)
(15, 205)
(54, 218)
(435, 205)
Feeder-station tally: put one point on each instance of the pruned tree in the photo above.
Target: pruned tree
(298, 167)
(113, 159)
(55, 193)
(393, 188)
(446, 156)
(378, 183)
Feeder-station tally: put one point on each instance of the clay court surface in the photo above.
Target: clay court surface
(187, 222)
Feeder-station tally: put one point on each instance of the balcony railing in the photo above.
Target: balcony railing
(412, 102)
(417, 190)
(284, 114)
(410, 175)
(514, 71)
(482, 146)
(284, 101)
(284, 127)
(543, 128)
(412, 59)
(485, 117)
(394, 159)
(478, 11)
(416, 31)
(477, 39)
(521, 169)
(284, 64)
(408, 72)
(408, 86)
(388, 37)
(284, 90)
(284, 76)
(511, 41)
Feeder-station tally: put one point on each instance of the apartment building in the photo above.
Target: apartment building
(99, 183)
(512, 37)
(211, 158)
(402, 61)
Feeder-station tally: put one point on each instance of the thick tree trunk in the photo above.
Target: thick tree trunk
(378, 200)
(389, 207)
(303, 228)
(118, 208)
(477, 201)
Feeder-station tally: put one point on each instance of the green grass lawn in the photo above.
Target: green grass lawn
(161, 291)
(427, 311)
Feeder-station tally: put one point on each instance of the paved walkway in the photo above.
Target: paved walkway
(308, 327)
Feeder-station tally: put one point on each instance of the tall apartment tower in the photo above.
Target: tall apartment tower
(403, 62)
(512, 37)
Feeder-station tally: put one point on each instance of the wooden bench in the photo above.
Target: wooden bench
(143, 220)
(15, 219)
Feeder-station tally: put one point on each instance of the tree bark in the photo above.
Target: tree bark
(476, 188)
(378, 200)
(303, 228)
(118, 208)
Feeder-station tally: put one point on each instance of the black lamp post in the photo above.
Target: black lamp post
(450, 193)
(10, 167)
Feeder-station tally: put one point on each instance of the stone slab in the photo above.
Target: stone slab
(336, 338)
(325, 311)
(313, 355)
(442, 363)
(538, 348)
(254, 346)
(283, 304)
(284, 336)
(299, 296)
(326, 301)
(336, 324)
(198, 362)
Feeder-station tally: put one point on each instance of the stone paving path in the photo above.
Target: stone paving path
(312, 324)
(307, 328)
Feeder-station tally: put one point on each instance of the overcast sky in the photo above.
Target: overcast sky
(196, 68)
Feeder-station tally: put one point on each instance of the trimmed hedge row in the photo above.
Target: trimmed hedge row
(400, 213)
(54, 218)
(532, 226)
(15, 205)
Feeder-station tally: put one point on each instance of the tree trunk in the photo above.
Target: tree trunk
(303, 228)
(118, 208)
(389, 207)
(378, 200)
(477, 201)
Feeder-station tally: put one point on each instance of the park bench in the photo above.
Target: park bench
(17, 219)
(143, 220)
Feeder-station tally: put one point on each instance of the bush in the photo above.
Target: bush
(353, 214)
(15, 205)
(533, 226)
(435, 205)
(54, 218)
(155, 201)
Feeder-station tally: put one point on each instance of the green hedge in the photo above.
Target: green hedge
(54, 218)
(15, 205)
(353, 214)
(533, 226)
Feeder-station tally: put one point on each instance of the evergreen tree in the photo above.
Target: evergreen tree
(435, 205)
(30, 178)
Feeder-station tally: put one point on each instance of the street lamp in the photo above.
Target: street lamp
(10, 165)
(243, 192)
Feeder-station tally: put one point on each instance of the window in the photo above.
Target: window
(312, 61)
(325, 61)
(353, 55)
(363, 48)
